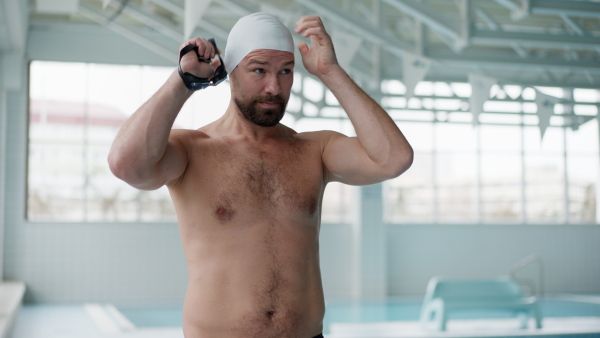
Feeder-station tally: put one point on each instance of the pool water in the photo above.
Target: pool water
(375, 311)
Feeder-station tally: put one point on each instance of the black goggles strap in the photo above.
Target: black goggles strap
(191, 81)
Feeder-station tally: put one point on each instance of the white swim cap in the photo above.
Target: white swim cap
(256, 31)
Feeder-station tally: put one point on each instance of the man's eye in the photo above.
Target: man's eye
(286, 71)
(259, 70)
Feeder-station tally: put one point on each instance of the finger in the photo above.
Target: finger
(316, 34)
(189, 42)
(308, 18)
(205, 49)
(307, 24)
(302, 48)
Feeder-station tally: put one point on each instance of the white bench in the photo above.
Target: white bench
(450, 295)
(11, 298)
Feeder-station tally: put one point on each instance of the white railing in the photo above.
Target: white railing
(524, 263)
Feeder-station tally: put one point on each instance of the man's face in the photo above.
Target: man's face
(261, 84)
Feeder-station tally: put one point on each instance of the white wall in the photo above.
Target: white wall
(570, 254)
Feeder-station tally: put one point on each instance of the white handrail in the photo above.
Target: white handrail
(525, 262)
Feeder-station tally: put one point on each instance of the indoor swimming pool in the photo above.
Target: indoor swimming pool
(573, 316)
(374, 311)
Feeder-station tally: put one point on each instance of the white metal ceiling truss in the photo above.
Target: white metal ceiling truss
(524, 42)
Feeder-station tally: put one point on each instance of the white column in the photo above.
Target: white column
(478, 186)
(598, 175)
(13, 78)
(370, 244)
(434, 181)
(2, 161)
(567, 111)
(523, 213)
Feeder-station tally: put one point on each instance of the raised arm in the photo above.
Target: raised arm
(146, 153)
(379, 151)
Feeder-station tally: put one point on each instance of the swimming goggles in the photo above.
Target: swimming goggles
(196, 83)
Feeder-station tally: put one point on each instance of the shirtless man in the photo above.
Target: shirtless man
(248, 189)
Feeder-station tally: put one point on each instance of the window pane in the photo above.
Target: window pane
(454, 137)
(409, 197)
(456, 192)
(583, 172)
(584, 140)
(336, 203)
(544, 191)
(544, 175)
(500, 187)
(55, 169)
(500, 138)
(76, 111)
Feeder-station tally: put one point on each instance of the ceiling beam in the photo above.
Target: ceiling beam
(431, 18)
(518, 11)
(466, 20)
(572, 24)
(56, 6)
(171, 7)
(368, 32)
(559, 41)
(152, 20)
(492, 24)
(583, 9)
(511, 63)
(93, 15)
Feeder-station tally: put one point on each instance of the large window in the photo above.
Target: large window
(76, 110)
(501, 171)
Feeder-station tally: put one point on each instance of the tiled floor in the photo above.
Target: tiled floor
(74, 321)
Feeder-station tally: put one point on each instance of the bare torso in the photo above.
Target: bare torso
(249, 217)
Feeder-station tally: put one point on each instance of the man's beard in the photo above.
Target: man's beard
(259, 116)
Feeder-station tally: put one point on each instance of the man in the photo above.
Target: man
(248, 189)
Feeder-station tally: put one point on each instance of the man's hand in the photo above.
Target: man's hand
(190, 63)
(320, 58)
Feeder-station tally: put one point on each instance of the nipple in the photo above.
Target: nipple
(224, 214)
(221, 212)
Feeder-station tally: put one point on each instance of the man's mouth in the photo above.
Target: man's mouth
(269, 104)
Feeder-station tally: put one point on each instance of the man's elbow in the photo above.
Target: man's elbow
(119, 166)
(400, 163)
(123, 168)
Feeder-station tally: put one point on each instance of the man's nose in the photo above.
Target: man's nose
(272, 86)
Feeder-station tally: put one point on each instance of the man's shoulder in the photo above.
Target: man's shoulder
(321, 137)
(315, 135)
(185, 135)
